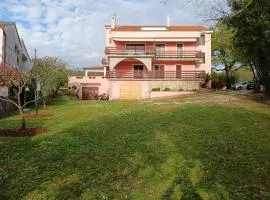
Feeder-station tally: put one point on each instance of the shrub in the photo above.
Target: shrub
(206, 79)
(218, 84)
(219, 79)
(167, 89)
(155, 89)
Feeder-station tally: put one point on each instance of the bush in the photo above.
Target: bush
(207, 78)
(155, 89)
(218, 84)
(167, 89)
(219, 79)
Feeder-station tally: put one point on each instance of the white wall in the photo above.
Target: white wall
(12, 40)
(207, 50)
(1, 44)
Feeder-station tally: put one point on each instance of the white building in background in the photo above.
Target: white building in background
(13, 52)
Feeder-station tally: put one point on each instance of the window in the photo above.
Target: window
(138, 71)
(203, 58)
(4, 48)
(158, 71)
(135, 48)
(202, 40)
(138, 67)
(180, 50)
(160, 49)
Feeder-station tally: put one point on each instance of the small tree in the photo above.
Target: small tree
(51, 73)
(18, 80)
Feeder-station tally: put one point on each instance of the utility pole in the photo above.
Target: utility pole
(35, 54)
(36, 86)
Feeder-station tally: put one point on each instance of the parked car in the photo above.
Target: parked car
(251, 85)
(240, 86)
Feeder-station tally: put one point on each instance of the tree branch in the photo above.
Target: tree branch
(10, 101)
(31, 101)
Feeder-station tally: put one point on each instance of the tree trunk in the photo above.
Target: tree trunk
(23, 122)
(229, 77)
(36, 102)
(255, 78)
(44, 103)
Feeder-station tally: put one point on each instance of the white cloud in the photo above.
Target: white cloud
(74, 29)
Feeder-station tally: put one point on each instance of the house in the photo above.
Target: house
(13, 52)
(140, 59)
(92, 84)
(13, 55)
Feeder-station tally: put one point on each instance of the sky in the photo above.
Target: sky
(74, 29)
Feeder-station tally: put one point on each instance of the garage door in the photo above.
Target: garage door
(89, 93)
(130, 90)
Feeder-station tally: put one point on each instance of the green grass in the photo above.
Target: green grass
(210, 146)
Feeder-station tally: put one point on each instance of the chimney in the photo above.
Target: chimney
(114, 21)
(168, 21)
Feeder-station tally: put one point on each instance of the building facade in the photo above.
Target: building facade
(91, 85)
(13, 52)
(13, 55)
(140, 59)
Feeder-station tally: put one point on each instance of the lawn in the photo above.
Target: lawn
(205, 146)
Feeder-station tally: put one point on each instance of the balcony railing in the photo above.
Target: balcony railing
(151, 51)
(155, 75)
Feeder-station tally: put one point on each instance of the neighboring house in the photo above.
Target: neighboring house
(140, 59)
(92, 84)
(13, 52)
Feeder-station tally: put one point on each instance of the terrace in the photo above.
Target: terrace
(153, 52)
(155, 75)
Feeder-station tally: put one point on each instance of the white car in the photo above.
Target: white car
(240, 86)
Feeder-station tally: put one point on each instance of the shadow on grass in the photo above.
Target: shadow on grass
(192, 153)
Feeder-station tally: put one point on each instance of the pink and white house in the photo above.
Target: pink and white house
(140, 59)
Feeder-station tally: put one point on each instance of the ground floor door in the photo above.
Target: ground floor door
(89, 93)
(138, 71)
(130, 90)
(178, 71)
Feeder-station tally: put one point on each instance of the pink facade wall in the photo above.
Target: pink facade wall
(84, 81)
(169, 65)
(127, 65)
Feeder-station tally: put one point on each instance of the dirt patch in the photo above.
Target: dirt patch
(22, 132)
(34, 116)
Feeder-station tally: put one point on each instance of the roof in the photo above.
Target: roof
(96, 67)
(169, 28)
(3, 24)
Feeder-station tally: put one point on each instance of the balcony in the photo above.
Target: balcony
(152, 52)
(155, 75)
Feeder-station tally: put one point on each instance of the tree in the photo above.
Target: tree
(251, 22)
(17, 79)
(51, 73)
(224, 52)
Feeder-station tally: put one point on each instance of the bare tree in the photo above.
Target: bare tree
(16, 79)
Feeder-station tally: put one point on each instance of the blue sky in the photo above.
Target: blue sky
(74, 29)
